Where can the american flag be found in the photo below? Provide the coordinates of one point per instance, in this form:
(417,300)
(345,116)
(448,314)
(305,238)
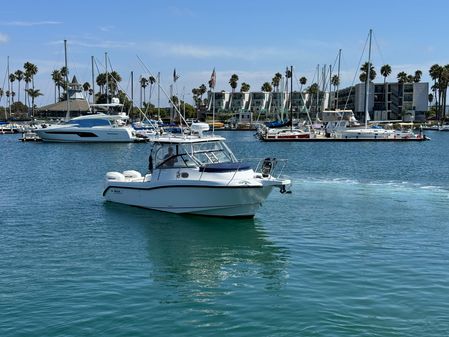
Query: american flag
(213,80)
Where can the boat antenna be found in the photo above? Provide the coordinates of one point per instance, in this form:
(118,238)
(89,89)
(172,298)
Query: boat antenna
(367,80)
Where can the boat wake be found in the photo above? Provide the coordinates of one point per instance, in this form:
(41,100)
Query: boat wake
(386,185)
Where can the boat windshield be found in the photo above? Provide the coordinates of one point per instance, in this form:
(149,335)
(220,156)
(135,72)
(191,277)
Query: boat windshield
(191,154)
(91,122)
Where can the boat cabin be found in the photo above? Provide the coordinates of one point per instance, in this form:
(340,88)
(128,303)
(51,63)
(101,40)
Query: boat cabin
(189,153)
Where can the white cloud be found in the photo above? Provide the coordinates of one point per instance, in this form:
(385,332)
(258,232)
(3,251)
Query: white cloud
(205,52)
(92,43)
(107,28)
(3,38)
(31,23)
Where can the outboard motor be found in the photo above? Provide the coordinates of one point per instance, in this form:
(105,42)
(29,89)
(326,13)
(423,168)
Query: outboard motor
(268,166)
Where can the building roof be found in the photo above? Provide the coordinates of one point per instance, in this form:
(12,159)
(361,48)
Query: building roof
(75,105)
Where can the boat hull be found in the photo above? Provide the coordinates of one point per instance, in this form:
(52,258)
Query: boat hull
(220,200)
(86,135)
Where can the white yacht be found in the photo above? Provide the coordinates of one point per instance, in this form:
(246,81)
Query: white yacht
(97,127)
(199,175)
(377,133)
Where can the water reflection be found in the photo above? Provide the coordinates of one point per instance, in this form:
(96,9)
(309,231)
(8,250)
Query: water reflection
(194,251)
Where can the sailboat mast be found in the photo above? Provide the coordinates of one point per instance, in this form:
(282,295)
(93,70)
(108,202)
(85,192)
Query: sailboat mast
(67,115)
(338,74)
(107,77)
(132,92)
(158,95)
(9,90)
(93,79)
(291,97)
(368,73)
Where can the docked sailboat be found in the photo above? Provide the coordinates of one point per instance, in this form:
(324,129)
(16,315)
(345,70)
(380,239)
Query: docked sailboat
(285,131)
(196,174)
(375,132)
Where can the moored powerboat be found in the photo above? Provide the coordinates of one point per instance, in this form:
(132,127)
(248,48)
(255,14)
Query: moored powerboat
(196,174)
(98,127)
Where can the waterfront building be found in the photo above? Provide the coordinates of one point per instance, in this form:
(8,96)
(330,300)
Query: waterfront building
(78,104)
(392,101)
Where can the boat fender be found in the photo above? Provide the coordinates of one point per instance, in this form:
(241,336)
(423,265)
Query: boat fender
(267,166)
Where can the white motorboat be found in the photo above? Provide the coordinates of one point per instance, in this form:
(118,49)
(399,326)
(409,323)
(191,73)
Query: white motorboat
(196,174)
(98,127)
(377,133)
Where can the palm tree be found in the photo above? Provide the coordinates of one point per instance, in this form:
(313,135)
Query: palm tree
(32,70)
(302,81)
(27,79)
(402,77)
(12,78)
(233,82)
(276,80)
(288,74)
(114,79)
(335,81)
(244,87)
(143,85)
(443,83)
(202,90)
(196,99)
(385,71)
(364,70)
(33,94)
(86,88)
(266,87)
(19,78)
(435,73)
(101,81)
(313,91)
(417,77)
(58,79)
(151,80)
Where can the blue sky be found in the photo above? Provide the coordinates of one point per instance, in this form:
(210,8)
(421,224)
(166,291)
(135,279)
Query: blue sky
(254,39)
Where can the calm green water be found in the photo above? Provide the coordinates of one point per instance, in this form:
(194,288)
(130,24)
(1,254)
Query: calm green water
(358,249)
